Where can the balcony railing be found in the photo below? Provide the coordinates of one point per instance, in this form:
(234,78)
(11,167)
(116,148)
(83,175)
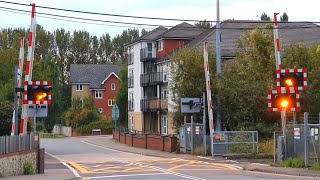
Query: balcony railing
(147,55)
(151,79)
(130,105)
(130,58)
(130,82)
(155,104)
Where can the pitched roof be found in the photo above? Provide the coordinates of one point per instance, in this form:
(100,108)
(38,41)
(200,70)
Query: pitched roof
(182,31)
(231,30)
(150,36)
(94,74)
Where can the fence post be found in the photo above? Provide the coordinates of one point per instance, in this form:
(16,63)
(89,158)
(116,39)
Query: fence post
(306,150)
(191,132)
(274,147)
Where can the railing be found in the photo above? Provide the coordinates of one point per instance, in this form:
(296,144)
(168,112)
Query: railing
(130,82)
(147,55)
(11,144)
(153,104)
(130,131)
(130,105)
(130,58)
(151,79)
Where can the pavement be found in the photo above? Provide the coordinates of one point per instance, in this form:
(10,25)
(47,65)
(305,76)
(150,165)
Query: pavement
(56,170)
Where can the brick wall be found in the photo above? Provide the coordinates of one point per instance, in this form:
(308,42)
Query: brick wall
(154,142)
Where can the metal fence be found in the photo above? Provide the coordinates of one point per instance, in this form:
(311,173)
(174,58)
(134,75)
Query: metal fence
(234,142)
(301,141)
(223,143)
(10,144)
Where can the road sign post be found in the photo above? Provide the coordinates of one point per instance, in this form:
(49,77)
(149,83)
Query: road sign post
(115,115)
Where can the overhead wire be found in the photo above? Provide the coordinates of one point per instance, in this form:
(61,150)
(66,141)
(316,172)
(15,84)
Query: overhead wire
(142,17)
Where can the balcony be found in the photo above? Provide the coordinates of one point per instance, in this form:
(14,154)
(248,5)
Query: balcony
(130,82)
(151,105)
(151,79)
(131,105)
(130,58)
(147,55)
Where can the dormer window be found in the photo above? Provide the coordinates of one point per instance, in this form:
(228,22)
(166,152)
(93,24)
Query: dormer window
(160,45)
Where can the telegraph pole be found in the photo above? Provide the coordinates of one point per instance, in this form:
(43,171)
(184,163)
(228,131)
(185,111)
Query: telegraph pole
(218,60)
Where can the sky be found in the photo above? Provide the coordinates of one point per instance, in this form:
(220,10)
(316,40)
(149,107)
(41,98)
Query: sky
(297,10)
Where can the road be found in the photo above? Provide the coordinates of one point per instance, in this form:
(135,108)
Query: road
(89,161)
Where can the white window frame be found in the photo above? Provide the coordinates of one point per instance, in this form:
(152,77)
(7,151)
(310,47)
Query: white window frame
(160,45)
(79,87)
(98,94)
(131,122)
(110,102)
(131,78)
(113,86)
(164,125)
(100,110)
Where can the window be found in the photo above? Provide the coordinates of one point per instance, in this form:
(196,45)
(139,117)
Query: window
(130,102)
(160,45)
(165,73)
(113,86)
(131,122)
(79,87)
(164,123)
(164,94)
(110,102)
(98,94)
(130,78)
(100,110)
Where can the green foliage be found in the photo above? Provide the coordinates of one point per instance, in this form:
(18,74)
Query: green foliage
(6,109)
(241,149)
(79,115)
(266,147)
(313,168)
(293,162)
(264,17)
(105,124)
(203,24)
(188,80)
(122,97)
(28,168)
(245,82)
(284,17)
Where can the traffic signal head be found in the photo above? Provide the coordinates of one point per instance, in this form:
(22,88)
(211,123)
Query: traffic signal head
(37,92)
(287,102)
(292,79)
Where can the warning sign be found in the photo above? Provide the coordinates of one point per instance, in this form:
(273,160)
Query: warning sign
(296,133)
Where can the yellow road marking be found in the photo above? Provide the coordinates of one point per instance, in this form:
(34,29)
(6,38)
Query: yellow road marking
(221,165)
(181,165)
(80,168)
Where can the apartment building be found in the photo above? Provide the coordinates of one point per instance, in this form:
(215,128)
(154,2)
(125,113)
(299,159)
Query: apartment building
(148,93)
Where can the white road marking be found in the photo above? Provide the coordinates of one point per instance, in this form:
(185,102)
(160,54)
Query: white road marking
(205,158)
(123,175)
(93,144)
(72,169)
(69,167)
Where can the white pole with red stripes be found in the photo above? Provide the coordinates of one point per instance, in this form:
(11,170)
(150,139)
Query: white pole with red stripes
(29,66)
(277,43)
(19,77)
(208,86)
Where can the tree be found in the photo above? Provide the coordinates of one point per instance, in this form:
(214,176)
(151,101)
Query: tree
(188,78)
(122,97)
(264,17)
(203,24)
(118,43)
(284,17)
(6,109)
(144,32)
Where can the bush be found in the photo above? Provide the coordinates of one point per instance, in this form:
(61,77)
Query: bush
(199,151)
(293,162)
(105,124)
(266,147)
(28,168)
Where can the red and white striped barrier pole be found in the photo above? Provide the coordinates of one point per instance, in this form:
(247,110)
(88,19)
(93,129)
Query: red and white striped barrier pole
(277,43)
(19,77)
(208,86)
(29,65)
